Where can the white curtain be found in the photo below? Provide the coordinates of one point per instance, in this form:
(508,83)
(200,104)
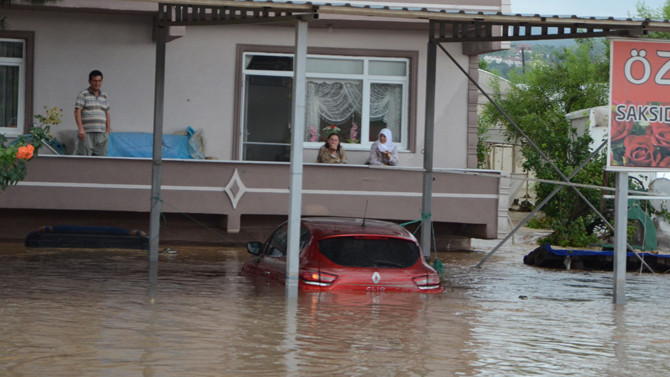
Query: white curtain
(336,101)
(385,105)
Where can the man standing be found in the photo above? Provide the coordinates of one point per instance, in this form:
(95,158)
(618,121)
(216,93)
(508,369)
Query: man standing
(91,112)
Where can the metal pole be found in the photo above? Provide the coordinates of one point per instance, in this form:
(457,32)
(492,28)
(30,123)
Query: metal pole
(544,156)
(297,136)
(620,236)
(427,202)
(156,168)
(540,205)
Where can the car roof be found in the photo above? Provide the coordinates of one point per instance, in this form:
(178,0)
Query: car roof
(321,227)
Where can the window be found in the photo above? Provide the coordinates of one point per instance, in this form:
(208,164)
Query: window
(12,86)
(359,95)
(267,92)
(277,245)
(370,252)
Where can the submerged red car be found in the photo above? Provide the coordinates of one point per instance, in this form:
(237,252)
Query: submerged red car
(347,254)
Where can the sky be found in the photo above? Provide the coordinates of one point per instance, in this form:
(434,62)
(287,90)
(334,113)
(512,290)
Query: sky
(584,8)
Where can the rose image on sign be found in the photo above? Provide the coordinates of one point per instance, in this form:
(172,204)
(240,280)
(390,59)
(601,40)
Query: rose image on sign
(639,134)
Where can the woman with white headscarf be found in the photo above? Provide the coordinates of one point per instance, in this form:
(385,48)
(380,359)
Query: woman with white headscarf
(383,151)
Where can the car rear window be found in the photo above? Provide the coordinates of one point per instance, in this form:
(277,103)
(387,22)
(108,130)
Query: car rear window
(370,252)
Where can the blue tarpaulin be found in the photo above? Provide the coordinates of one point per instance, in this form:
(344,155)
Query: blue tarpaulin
(140,144)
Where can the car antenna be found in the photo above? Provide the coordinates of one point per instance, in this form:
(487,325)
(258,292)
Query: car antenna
(365,213)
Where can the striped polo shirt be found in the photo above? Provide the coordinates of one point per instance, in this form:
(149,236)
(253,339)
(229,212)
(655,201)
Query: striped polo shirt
(93,110)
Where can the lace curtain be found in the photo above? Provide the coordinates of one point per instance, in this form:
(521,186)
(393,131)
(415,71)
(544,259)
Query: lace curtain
(385,105)
(336,102)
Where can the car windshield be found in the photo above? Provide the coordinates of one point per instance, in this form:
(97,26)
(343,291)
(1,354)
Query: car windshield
(374,252)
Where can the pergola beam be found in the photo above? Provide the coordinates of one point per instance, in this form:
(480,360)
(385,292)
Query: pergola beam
(201,15)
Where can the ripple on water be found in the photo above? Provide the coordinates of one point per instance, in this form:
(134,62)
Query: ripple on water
(91,312)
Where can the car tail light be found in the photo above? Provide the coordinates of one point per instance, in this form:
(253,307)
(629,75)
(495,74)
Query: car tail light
(429,281)
(319,278)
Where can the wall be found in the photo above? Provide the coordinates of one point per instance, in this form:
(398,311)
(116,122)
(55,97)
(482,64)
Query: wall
(65,55)
(468,200)
(200,75)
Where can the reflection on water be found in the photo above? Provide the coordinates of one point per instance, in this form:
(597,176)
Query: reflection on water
(94,313)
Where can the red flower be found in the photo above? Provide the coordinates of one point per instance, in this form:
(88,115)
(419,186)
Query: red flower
(661,135)
(25,152)
(640,151)
(620,130)
(665,163)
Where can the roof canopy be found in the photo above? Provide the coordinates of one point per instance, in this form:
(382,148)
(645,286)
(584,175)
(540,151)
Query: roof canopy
(450,26)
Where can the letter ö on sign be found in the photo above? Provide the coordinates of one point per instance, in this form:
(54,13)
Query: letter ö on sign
(636,56)
(640,56)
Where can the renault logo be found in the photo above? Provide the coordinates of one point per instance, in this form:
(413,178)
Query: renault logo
(376,278)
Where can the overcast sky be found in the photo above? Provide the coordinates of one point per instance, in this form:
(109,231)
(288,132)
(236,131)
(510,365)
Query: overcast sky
(584,8)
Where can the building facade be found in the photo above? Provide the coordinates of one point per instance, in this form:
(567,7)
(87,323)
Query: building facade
(233,83)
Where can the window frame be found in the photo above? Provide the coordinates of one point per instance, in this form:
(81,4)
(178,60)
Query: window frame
(243,94)
(409,96)
(368,80)
(279,240)
(26,72)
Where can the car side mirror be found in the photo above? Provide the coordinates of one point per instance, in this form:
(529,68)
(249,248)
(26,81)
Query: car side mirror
(254,247)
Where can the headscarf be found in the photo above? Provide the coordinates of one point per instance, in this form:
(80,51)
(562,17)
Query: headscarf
(389,145)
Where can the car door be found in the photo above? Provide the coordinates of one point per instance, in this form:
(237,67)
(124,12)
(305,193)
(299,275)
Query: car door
(272,261)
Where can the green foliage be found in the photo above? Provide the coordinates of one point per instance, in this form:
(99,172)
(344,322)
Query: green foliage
(662,13)
(572,233)
(500,69)
(13,157)
(484,122)
(574,79)
(483,149)
(539,223)
(12,169)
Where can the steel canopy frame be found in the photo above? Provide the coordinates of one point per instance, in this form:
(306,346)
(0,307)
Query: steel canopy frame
(502,28)
(485,33)
(443,26)
(182,14)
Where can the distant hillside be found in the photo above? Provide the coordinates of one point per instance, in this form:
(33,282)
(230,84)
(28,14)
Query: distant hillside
(560,43)
(520,53)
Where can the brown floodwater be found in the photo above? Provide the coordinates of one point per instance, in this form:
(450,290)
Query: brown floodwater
(70,312)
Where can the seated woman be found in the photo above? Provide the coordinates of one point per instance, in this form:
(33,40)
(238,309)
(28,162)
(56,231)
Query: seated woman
(383,151)
(332,152)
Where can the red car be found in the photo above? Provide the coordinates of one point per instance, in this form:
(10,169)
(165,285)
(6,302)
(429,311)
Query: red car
(347,254)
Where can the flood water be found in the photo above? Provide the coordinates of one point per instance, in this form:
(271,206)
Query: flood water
(95,313)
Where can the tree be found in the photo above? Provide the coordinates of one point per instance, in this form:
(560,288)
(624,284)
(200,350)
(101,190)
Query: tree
(573,79)
(662,13)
